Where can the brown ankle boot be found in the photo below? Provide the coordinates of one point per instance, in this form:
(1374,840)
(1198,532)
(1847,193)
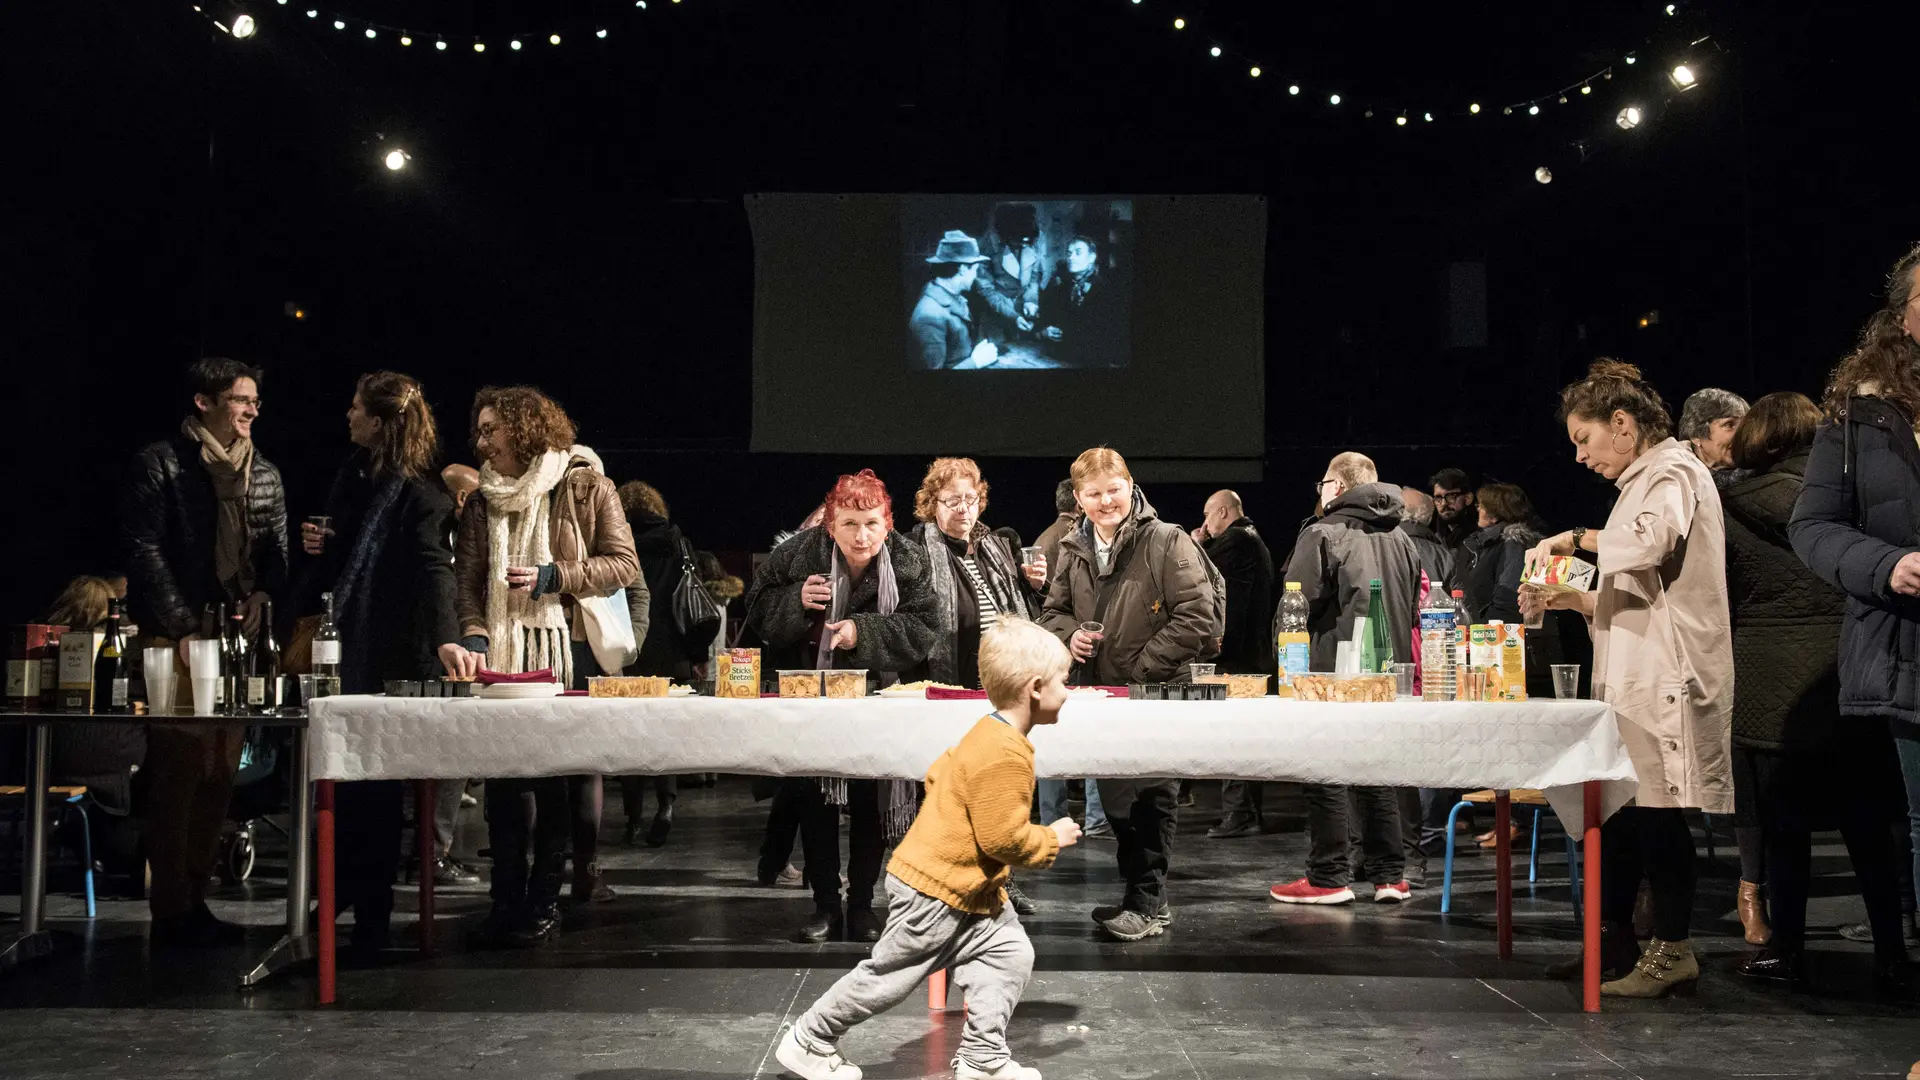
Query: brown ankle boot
(1753,914)
(1666,966)
(587,886)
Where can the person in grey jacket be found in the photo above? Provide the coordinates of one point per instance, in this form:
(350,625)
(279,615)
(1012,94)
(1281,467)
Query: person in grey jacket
(1336,560)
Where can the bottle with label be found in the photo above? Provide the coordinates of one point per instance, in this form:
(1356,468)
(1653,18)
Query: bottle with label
(213,626)
(326,651)
(270,693)
(1436,647)
(1292,644)
(1462,631)
(1513,660)
(1376,649)
(112,674)
(236,652)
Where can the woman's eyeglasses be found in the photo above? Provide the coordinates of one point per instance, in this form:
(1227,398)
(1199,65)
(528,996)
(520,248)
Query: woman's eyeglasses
(957,503)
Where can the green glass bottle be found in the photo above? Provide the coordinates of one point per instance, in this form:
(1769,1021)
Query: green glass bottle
(1376,649)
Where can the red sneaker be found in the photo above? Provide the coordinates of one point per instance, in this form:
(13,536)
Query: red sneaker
(1398,892)
(1305,892)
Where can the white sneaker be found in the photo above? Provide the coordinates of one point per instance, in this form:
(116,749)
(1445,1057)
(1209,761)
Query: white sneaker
(804,1063)
(1006,1070)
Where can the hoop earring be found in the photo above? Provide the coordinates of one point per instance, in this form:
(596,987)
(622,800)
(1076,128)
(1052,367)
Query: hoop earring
(1616,435)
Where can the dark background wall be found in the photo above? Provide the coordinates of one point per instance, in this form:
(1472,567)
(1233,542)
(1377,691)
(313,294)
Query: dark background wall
(573,218)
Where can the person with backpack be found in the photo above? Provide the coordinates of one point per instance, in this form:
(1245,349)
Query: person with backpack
(1160,605)
(668,650)
(1336,561)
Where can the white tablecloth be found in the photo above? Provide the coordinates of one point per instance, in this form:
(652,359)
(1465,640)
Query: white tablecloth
(1551,745)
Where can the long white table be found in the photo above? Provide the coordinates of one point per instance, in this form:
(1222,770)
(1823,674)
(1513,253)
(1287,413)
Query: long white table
(1571,750)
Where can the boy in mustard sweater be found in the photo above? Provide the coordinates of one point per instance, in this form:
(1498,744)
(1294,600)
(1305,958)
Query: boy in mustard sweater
(948,877)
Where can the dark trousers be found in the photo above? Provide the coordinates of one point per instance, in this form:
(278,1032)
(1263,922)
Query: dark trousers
(1848,779)
(783,824)
(1655,843)
(1245,798)
(820,840)
(633,797)
(586,796)
(1410,832)
(446,813)
(1435,805)
(517,831)
(1330,857)
(1142,815)
(190,770)
(369,816)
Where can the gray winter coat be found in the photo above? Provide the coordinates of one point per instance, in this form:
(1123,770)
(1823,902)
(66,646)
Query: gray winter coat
(1337,557)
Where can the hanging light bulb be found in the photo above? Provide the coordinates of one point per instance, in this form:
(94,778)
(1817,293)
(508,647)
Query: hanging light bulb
(396,160)
(1543,174)
(601,33)
(339,24)
(514,44)
(479,46)
(440,44)
(244,27)
(1671,9)
(371,34)
(1533,110)
(1334,100)
(1294,89)
(1563,99)
(1586,88)
(1428,117)
(1631,59)
(1400,121)
(1254,71)
(406,39)
(1215,50)
(1629,118)
(1508,111)
(553,39)
(1179,24)
(1683,78)
(312,13)
(1474,108)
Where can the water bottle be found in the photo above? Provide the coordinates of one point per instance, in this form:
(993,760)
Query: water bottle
(1437,620)
(1292,645)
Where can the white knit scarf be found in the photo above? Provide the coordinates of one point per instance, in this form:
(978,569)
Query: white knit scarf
(524,634)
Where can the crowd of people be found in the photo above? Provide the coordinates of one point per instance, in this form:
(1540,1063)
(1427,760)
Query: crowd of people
(1754,625)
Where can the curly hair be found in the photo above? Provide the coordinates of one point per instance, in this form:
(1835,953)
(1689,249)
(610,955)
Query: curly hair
(408,441)
(640,495)
(942,472)
(862,491)
(1886,355)
(534,423)
(1614,386)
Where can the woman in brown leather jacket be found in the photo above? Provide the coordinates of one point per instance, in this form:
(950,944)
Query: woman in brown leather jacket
(545,527)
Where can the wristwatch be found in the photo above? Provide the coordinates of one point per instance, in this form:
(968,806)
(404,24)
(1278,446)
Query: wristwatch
(1578,535)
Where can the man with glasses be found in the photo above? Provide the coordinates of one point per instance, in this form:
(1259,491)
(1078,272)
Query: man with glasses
(203,522)
(1454,516)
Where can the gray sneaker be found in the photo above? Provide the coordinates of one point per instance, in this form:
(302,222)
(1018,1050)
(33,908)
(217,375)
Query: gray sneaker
(1133,926)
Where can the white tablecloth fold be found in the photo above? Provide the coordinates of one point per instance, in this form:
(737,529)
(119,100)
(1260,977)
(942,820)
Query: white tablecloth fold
(1551,745)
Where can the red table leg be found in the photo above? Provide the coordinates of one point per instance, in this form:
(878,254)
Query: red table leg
(1503,872)
(323,827)
(429,845)
(1590,901)
(937,991)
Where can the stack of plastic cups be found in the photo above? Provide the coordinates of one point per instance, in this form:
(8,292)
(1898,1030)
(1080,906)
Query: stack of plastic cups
(158,667)
(204,664)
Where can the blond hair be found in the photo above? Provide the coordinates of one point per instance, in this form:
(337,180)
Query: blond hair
(1353,469)
(1098,462)
(1013,654)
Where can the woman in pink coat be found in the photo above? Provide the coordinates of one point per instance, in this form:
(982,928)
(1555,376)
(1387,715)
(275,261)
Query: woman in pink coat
(1662,657)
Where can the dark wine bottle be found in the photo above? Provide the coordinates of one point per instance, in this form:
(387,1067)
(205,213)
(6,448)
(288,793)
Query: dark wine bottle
(112,674)
(237,652)
(266,668)
(218,631)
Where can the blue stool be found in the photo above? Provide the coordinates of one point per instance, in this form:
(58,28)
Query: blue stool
(77,799)
(1521,797)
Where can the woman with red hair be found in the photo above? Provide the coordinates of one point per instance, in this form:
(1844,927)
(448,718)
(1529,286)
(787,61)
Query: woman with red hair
(848,593)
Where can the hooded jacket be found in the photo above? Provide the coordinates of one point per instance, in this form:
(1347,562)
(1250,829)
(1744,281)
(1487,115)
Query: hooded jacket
(1857,516)
(1338,557)
(1161,611)
(1443,565)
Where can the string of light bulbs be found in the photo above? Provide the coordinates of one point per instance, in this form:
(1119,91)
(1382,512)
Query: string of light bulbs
(404,37)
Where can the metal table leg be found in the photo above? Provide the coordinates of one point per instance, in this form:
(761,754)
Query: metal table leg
(296,946)
(33,941)
(428,846)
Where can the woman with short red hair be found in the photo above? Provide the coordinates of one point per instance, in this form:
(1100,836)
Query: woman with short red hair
(848,593)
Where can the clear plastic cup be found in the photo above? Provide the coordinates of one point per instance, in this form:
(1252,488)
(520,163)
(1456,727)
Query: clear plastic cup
(157,666)
(1031,556)
(1566,681)
(203,658)
(1201,672)
(1403,680)
(204,692)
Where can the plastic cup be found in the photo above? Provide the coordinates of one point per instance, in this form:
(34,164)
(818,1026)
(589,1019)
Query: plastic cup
(204,692)
(1031,556)
(157,665)
(1566,681)
(1403,680)
(306,690)
(1201,672)
(203,659)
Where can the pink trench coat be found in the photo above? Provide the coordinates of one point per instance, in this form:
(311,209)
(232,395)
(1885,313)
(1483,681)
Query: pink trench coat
(1663,642)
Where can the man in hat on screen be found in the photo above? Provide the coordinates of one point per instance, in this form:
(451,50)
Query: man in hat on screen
(942,322)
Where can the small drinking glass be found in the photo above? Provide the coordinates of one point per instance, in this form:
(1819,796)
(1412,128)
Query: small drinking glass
(1201,672)
(1533,606)
(1403,680)
(1031,556)
(1566,681)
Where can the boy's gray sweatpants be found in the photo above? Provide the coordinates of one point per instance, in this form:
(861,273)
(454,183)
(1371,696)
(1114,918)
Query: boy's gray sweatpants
(990,956)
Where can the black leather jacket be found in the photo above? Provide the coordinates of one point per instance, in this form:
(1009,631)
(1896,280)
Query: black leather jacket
(166,535)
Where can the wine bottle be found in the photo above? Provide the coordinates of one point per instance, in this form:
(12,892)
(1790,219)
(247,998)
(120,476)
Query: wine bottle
(236,647)
(112,675)
(219,630)
(326,651)
(266,667)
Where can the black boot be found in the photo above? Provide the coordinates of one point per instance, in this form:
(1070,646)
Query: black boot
(662,823)
(1619,951)
(864,925)
(1022,903)
(823,926)
(493,930)
(1893,977)
(537,926)
(1777,965)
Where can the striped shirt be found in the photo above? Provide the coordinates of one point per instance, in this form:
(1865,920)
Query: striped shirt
(982,596)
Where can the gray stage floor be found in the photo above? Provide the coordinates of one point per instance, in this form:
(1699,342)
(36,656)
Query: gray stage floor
(689,975)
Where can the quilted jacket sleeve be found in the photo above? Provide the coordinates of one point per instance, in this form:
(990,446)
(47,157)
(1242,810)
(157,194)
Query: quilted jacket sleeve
(270,564)
(609,563)
(1824,534)
(773,603)
(143,526)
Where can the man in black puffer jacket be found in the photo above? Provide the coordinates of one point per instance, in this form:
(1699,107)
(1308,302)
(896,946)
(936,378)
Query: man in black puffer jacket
(203,522)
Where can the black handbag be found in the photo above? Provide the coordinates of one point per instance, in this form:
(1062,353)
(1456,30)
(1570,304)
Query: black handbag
(696,614)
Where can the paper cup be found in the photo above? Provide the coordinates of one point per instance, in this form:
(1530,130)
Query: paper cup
(204,691)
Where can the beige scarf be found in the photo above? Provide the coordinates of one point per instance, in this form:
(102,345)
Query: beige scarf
(524,634)
(231,468)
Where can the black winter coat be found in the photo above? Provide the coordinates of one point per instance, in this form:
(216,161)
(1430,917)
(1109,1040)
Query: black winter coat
(1241,556)
(412,582)
(1786,621)
(166,534)
(886,645)
(1490,567)
(656,542)
(1338,557)
(1436,558)
(1857,516)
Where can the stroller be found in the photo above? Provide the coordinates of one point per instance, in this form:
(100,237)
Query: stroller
(260,790)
